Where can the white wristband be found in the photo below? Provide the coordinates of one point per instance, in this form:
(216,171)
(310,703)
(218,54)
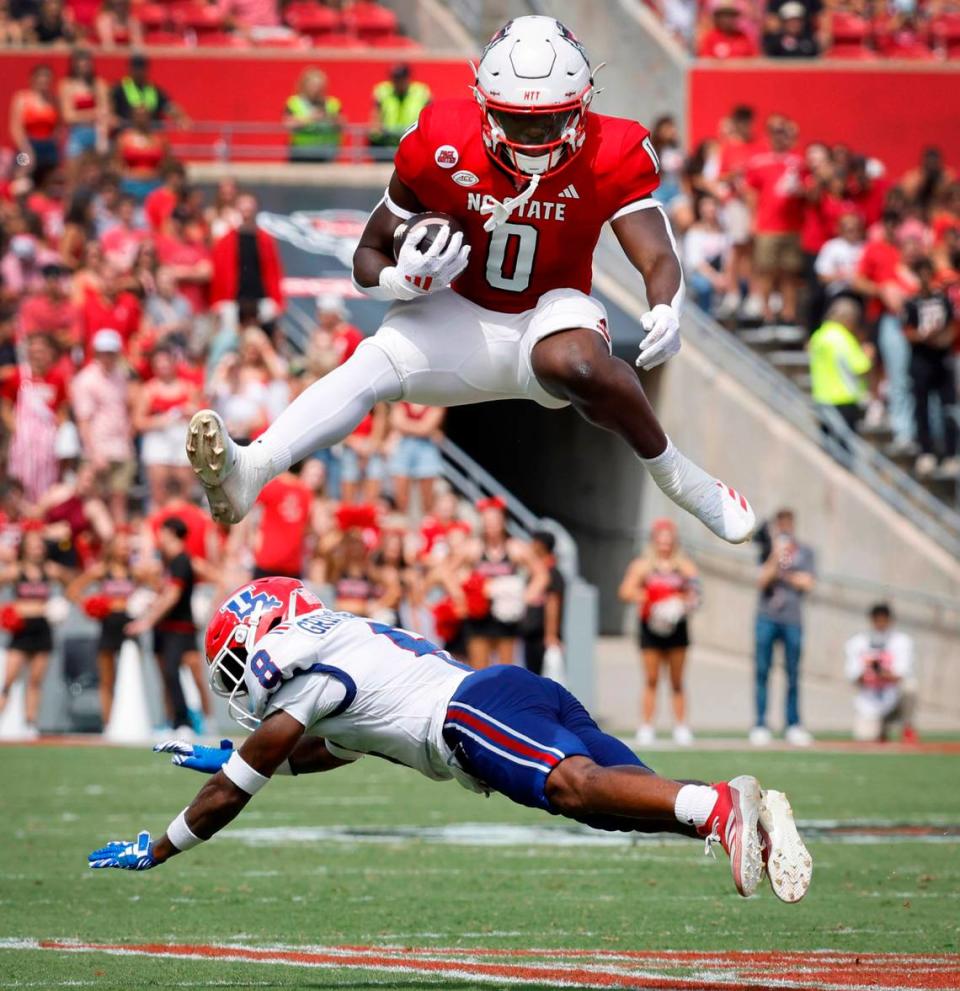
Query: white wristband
(389,288)
(181,835)
(243,775)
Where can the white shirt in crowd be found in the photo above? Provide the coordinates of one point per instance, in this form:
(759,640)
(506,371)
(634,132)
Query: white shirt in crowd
(838,259)
(700,244)
(890,653)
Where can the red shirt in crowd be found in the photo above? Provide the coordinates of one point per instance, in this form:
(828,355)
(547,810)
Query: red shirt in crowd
(121,244)
(176,252)
(159,206)
(197,522)
(41,315)
(820,218)
(734,155)
(346,340)
(720,44)
(283,526)
(122,314)
(777,177)
(52,386)
(881,264)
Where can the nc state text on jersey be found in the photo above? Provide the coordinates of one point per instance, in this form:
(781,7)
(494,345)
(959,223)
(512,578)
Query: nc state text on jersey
(532,209)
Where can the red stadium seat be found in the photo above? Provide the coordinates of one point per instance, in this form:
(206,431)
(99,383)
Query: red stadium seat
(945,31)
(221,39)
(849,33)
(370,20)
(169,38)
(312,19)
(200,18)
(154,16)
(84,11)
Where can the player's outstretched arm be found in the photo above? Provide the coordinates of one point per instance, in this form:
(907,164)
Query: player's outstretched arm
(218,802)
(647,241)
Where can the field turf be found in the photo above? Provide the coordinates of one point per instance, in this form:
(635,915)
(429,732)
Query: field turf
(419,907)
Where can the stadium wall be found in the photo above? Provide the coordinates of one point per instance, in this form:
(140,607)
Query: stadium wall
(247,87)
(890,111)
(865,550)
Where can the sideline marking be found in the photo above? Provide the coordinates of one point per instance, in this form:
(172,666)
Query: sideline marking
(863,832)
(672,970)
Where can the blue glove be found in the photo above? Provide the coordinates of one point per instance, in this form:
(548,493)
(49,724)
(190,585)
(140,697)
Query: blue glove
(209,760)
(136,856)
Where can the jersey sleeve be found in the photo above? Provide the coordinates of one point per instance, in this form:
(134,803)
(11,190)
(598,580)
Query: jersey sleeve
(638,171)
(308,697)
(413,156)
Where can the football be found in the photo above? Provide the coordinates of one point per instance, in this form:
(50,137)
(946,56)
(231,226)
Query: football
(434,222)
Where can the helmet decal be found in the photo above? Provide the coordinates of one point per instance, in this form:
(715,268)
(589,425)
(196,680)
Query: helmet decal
(245,603)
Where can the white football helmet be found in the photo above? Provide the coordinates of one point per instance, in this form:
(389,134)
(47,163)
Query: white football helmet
(534,85)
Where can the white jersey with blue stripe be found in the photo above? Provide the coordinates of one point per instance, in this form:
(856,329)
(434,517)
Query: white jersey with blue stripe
(367,688)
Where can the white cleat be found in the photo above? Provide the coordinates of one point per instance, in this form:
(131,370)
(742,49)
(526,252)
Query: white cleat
(734,823)
(735,520)
(230,480)
(789,864)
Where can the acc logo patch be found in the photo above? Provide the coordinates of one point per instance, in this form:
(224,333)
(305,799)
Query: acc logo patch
(446,156)
(464,178)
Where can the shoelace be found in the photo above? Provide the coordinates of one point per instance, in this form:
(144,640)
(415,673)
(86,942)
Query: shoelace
(709,841)
(500,211)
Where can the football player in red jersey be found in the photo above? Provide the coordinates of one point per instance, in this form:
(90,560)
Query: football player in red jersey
(504,312)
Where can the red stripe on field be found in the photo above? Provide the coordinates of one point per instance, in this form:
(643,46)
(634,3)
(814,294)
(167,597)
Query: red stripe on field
(763,969)
(481,726)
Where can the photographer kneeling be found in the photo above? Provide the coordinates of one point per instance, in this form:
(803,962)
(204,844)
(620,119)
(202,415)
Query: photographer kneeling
(880,663)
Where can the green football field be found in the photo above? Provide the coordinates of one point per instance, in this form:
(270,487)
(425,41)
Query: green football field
(372,876)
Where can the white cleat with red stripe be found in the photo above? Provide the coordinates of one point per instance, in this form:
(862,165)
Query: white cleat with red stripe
(720,508)
(733,824)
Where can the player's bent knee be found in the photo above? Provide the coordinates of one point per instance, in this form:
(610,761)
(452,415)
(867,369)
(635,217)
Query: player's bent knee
(570,785)
(571,362)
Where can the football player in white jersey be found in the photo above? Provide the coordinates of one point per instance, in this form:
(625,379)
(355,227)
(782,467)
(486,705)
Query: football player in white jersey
(321,689)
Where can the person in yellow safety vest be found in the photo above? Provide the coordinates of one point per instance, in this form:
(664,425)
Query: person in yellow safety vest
(839,361)
(135,90)
(397,103)
(313,119)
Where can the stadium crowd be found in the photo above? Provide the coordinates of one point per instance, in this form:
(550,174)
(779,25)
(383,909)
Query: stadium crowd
(113,24)
(129,299)
(822,236)
(788,29)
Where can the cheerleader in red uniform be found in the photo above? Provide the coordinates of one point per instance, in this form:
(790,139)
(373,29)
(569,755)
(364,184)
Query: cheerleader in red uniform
(664,585)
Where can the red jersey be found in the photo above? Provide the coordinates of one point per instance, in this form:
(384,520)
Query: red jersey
(122,315)
(778,179)
(722,44)
(548,242)
(283,526)
(158,206)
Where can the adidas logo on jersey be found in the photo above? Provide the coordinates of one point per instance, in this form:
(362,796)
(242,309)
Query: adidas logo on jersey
(569,193)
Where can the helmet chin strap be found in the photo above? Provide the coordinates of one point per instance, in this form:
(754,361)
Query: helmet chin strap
(500,211)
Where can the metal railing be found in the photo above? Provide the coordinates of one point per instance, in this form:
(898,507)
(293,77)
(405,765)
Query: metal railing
(822,426)
(227,141)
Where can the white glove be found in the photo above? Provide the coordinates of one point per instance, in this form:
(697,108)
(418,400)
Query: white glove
(420,272)
(662,337)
